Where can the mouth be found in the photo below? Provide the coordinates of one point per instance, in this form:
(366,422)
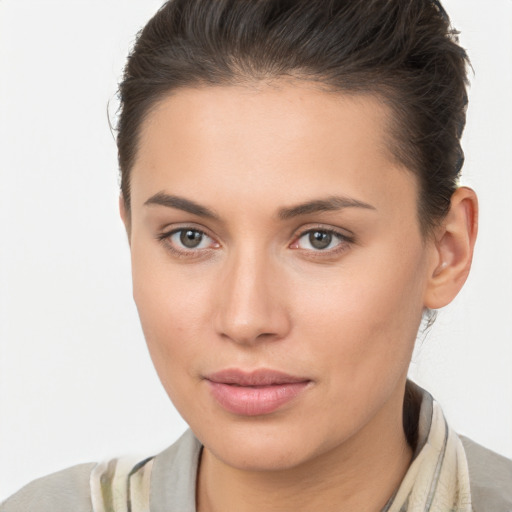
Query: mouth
(254,393)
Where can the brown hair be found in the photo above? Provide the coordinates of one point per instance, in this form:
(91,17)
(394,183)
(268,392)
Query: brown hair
(404,51)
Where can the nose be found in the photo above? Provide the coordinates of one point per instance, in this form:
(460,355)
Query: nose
(251,306)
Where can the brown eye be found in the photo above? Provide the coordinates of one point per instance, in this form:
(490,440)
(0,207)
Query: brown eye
(320,239)
(190,238)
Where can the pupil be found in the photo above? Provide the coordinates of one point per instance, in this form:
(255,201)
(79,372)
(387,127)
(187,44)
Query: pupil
(190,238)
(320,239)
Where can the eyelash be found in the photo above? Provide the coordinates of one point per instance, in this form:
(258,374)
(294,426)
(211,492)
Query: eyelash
(344,241)
(166,239)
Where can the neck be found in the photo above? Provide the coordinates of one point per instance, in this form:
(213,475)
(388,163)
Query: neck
(361,474)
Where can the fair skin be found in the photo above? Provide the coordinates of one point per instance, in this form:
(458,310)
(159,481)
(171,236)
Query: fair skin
(332,295)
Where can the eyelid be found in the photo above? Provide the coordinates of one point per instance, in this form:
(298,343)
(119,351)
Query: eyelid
(346,238)
(341,232)
(168,229)
(165,234)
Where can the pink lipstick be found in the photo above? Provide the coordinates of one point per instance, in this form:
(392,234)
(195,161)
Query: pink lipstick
(254,393)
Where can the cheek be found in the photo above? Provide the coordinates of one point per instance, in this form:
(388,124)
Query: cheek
(365,319)
(171,326)
(171,315)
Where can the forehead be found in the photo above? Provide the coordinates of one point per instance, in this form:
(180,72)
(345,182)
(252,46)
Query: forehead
(288,137)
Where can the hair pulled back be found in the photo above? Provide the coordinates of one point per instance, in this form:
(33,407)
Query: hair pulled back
(403,51)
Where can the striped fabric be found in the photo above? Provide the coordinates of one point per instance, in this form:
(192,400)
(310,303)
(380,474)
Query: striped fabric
(120,485)
(438,477)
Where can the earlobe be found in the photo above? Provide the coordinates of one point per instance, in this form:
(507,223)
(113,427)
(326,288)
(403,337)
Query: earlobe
(454,244)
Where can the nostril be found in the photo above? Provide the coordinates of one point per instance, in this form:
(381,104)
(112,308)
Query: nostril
(249,334)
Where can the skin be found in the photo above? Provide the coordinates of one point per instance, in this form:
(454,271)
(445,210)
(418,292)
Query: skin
(257,294)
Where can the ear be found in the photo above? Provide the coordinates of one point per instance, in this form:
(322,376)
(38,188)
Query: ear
(125,216)
(453,253)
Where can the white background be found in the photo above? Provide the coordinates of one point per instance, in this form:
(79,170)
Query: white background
(76,383)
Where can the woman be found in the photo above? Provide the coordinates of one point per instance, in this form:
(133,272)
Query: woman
(289,191)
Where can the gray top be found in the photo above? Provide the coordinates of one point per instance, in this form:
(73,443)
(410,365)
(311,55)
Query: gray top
(490,477)
(65,491)
(173,482)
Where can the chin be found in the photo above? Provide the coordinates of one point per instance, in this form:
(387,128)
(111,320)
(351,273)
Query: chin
(260,456)
(262,444)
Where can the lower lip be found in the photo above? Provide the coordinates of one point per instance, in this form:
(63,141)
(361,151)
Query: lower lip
(255,400)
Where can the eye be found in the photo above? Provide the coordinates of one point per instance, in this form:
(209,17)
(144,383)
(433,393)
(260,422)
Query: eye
(320,240)
(190,239)
(186,241)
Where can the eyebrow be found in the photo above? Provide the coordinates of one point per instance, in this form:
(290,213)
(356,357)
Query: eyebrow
(180,203)
(333,203)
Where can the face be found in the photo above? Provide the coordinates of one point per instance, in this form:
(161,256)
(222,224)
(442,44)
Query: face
(278,268)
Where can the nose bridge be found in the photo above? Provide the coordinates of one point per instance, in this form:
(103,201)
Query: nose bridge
(250,308)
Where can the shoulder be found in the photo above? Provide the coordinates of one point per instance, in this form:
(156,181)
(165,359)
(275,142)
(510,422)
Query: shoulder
(59,492)
(490,478)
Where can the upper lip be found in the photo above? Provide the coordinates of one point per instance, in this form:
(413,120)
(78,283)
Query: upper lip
(260,377)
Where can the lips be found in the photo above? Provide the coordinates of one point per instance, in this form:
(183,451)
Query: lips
(254,393)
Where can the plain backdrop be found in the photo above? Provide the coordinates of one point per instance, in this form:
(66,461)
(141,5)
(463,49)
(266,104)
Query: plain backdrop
(76,382)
